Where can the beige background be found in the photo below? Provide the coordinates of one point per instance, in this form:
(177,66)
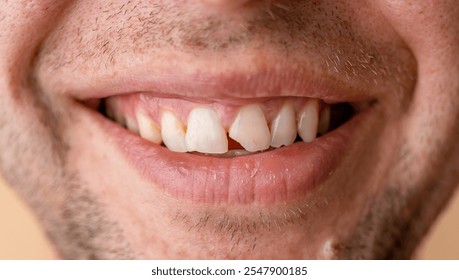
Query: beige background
(22,238)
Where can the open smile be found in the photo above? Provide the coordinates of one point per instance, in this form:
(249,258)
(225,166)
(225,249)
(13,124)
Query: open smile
(270,143)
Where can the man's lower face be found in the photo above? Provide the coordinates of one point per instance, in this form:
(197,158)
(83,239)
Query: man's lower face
(219,129)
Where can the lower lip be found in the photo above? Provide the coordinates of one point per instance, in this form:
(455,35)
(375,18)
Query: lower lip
(286,174)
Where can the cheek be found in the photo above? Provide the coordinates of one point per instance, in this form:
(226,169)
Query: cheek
(429,28)
(28,128)
(29,140)
(24,25)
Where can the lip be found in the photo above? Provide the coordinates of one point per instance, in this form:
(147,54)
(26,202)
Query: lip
(292,81)
(277,176)
(280,175)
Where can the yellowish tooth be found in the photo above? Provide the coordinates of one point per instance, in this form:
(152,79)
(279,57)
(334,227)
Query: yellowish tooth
(308,120)
(250,129)
(148,129)
(324,119)
(283,127)
(173,132)
(205,133)
(132,125)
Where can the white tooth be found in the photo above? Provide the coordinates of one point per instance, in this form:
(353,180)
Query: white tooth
(308,120)
(205,133)
(132,125)
(148,128)
(250,129)
(283,127)
(324,119)
(173,132)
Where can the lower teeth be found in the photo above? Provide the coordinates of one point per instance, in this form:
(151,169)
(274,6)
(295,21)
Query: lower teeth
(231,153)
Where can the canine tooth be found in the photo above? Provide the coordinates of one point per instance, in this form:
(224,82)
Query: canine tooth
(250,129)
(283,127)
(324,120)
(205,133)
(148,129)
(308,120)
(173,132)
(132,125)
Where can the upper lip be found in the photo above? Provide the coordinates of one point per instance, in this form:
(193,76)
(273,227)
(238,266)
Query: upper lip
(235,84)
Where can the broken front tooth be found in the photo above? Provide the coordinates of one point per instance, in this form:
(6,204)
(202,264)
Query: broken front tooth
(205,133)
(250,129)
(324,119)
(308,119)
(148,129)
(173,132)
(283,127)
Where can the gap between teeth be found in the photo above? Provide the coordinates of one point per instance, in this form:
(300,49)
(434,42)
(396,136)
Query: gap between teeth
(204,132)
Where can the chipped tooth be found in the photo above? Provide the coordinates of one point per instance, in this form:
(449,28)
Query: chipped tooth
(132,125)
(173,132)
(205,133)
(324,119)
(250,129)
(148,129)
(308,120)
(283,127)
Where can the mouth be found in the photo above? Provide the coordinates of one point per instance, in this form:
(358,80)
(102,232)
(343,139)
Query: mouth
(231,148)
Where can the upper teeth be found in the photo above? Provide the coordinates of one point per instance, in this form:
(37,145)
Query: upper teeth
(173,132)
(249,128)
(206,133)
(148,128)
(308,120)
(283,127)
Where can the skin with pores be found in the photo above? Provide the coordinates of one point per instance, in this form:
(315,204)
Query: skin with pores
(100,192)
